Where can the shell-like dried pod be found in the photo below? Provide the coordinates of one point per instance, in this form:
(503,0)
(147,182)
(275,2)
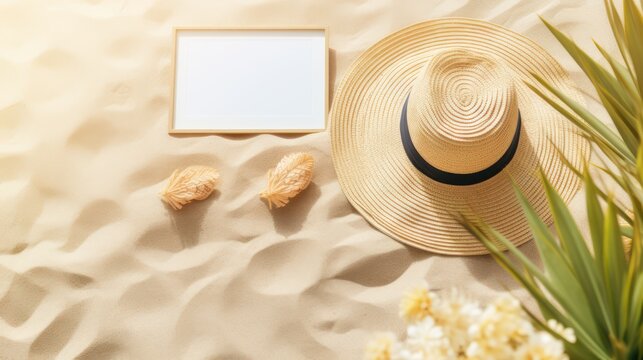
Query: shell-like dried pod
(290,177)
(192,183)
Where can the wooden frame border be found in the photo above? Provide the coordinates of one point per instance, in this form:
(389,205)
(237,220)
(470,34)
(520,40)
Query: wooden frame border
(172,130)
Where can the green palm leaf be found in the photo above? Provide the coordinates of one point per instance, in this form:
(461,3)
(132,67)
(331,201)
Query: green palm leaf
(594,286)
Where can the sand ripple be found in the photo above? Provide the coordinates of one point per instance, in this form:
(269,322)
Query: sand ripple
(94,266)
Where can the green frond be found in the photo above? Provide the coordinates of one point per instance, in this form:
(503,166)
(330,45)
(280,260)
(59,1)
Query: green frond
(593,285)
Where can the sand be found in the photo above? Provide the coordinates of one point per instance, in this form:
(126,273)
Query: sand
(94,266)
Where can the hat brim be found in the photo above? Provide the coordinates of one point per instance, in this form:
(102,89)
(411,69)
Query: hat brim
(382,184)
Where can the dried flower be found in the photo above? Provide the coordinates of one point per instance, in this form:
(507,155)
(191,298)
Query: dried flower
(191,183)
(541,346)
(453,327)
(456,314)
(380,348)
(290,177)
(428,339)
(501,327)
(417,304)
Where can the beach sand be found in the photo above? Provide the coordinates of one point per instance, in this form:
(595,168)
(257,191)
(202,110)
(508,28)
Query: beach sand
(94,266)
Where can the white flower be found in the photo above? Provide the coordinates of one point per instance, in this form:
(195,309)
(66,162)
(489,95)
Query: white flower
(502,327)
(403,353)
(541,346)
(507,304)
(453,327)
(456,314)
(380,348)
(417,304)
(565,333)
(429,340)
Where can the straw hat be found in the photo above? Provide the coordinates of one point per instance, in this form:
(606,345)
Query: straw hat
(436,119)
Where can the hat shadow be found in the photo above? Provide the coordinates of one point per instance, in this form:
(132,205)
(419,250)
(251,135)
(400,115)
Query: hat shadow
(486,271)
(289,219)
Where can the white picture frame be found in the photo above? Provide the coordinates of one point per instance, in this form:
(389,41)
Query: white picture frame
(249,80)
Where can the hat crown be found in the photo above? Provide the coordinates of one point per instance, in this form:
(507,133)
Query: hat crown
(462,111)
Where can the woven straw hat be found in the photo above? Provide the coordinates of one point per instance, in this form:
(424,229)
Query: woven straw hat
(435,119)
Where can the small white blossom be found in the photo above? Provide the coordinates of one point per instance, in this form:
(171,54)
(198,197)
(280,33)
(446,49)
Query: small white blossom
(542,346)
(417,304)
(428,339)
(403,353)
(456,314)
(501,327)
(453,327)
(566,333)
(381,347)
